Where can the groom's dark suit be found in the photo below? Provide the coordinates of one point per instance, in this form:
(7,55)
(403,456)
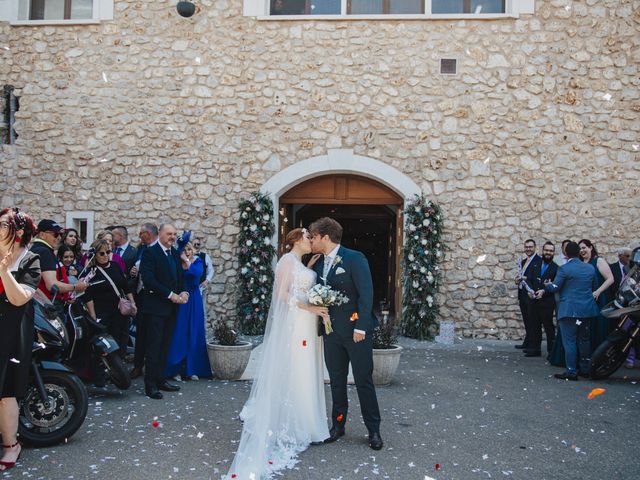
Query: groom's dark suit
(350,274)
(161,275)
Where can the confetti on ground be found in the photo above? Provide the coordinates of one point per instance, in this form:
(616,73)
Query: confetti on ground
(155,424)
(304,343)
(437,466)
(595,392)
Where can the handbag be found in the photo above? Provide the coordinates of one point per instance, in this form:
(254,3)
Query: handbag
(125,306)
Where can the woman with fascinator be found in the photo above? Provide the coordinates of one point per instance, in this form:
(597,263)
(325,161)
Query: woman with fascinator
(19,278)
(285,412)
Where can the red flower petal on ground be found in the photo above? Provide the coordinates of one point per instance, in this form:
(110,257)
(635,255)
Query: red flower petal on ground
(155,424)
(437,466)
(270,462)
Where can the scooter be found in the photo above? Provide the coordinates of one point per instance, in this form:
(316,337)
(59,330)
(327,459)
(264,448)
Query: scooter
(56,401)
(611,354)
(89,338)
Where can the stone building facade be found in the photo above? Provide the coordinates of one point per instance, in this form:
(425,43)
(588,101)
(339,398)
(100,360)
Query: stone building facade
(152,116)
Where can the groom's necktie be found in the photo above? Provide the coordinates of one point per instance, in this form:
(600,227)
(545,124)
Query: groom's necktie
(327,266)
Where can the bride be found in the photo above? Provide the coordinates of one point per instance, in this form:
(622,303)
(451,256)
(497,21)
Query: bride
(286,408)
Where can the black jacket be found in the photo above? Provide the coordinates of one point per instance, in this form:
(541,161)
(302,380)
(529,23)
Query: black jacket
(537,283)
(160,279)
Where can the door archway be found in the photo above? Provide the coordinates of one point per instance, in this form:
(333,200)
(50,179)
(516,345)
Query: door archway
(370,214)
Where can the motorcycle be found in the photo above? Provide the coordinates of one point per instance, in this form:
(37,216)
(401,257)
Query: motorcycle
(611,354)
(89,338)
(56,401)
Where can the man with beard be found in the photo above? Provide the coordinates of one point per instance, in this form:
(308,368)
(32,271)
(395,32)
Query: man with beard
(543,304)
(523,280)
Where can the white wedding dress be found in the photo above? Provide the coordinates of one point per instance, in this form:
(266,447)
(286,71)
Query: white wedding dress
(286,409)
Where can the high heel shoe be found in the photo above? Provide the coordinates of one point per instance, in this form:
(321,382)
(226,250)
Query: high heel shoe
(10,465)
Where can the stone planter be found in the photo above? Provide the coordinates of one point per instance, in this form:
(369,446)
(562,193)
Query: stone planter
(385,364)
(228,362)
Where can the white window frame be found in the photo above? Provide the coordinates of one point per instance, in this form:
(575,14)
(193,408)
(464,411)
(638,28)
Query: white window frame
(71,221)
(10,11)
(513,9)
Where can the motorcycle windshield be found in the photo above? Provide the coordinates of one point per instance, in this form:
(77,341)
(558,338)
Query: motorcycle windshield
(629,292)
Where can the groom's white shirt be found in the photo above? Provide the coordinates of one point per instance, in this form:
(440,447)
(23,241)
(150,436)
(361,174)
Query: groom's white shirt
(332,256)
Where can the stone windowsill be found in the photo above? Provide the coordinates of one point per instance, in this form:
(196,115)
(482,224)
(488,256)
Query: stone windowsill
(488,16)
(39,23)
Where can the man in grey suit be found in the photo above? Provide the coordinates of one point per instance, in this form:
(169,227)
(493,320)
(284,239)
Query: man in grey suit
(575,281)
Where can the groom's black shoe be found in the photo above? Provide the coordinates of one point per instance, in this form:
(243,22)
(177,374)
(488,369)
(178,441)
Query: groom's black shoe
(375,441)
(167,387)
(153,392)
(334,434)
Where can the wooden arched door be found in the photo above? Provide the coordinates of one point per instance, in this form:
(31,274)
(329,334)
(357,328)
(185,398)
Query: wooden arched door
(370,214)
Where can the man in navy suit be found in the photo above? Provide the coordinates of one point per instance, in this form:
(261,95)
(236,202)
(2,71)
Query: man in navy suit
(523,279)
(541,308)
(162,274)
(348,271)
(148,237)
(575,281)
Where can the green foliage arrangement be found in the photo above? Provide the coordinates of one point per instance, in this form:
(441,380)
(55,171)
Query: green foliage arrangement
(255,256)
(422,277)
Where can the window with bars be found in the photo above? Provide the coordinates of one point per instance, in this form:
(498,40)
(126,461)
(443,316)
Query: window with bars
(10,105)
(385,7)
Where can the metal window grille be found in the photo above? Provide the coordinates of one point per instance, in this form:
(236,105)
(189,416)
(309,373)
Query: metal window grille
(448,66)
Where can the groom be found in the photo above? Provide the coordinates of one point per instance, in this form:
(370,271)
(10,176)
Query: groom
(353,322)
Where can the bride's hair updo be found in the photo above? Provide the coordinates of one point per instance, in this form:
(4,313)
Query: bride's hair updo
(292,237)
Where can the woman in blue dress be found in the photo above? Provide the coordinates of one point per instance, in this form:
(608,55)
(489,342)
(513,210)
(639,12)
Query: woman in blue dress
(600,327)
(188,351)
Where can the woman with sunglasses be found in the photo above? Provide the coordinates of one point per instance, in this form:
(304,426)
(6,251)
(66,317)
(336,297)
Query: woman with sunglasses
(19,277)
(101,298)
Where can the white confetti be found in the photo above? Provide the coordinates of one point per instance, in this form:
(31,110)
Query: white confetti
(607,96)
(578,322)
(14,360)
(636,147)
(200,435)
(104,77)
(458,417)
(481,258)
(485,456)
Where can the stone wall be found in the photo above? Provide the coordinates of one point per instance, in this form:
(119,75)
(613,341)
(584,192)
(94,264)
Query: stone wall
(152,116)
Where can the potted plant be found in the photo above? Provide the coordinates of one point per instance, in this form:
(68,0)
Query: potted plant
(386,352)
(228,355)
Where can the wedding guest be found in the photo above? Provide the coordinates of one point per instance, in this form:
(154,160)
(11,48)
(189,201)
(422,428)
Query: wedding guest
(577,308)
(604,279)
(162,273)
(561,259)
(66,256)
(123,248)
(117,259)
(543,306)
(188,351)
(52,272)
(19,278)
(148,237)
(207,274)
(108,285)
(523,279)
(71,238)
(619,269)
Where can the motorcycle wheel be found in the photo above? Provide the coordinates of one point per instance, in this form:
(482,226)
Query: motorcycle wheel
(42,426)
(116,371)
(607,358)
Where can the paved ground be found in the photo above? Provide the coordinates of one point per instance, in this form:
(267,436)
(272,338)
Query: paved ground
(477,410)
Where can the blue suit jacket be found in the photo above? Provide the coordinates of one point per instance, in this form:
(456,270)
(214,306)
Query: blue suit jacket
(575,281)
(160,279)
(351,276)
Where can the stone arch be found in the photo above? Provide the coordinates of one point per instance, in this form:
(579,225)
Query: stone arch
(339,161)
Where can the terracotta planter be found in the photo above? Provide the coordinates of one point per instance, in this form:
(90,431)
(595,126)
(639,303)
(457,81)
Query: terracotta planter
(385,364)
(228,362)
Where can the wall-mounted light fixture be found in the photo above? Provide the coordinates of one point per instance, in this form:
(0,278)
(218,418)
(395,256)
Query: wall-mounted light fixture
(186,9)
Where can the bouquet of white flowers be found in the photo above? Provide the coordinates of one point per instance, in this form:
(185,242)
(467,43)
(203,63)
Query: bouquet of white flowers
(324,296)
